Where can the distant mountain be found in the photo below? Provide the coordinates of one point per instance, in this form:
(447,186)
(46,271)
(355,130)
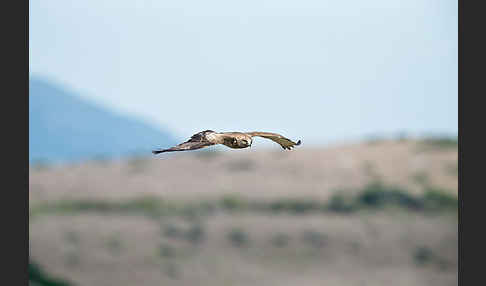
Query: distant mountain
(64,127)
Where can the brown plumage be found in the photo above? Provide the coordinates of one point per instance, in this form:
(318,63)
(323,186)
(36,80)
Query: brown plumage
(235,140)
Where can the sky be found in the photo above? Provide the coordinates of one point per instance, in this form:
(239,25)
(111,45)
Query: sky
(321,71)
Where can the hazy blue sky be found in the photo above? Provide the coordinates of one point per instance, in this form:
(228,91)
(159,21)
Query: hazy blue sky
(318,70)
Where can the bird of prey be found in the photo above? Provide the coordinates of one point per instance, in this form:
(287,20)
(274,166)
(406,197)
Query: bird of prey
(235,140)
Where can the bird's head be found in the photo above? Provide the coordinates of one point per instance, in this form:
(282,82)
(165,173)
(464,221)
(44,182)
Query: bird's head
(246,142)
(241,142)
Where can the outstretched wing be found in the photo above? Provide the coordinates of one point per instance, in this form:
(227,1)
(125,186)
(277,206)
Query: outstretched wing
(284,142)
(186,146)
(197,141)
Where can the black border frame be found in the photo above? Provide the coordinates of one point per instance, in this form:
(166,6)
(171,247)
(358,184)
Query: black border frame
(469,73)
(15,88)
(460,226)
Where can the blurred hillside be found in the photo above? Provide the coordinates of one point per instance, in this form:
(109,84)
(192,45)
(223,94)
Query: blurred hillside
(382,212)
(65,127)
(416,165)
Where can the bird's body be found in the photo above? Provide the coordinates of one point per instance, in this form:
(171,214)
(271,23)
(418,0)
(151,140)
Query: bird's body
(235,140)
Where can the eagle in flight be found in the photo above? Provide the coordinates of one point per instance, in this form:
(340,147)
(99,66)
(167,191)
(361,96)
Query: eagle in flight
(236,140)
